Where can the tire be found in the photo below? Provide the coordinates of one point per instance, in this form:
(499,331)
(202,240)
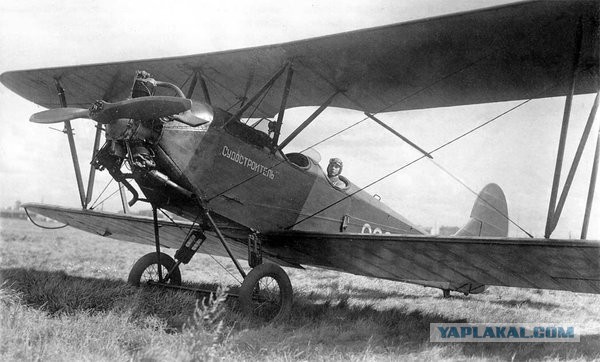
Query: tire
(145,270)
(266,293)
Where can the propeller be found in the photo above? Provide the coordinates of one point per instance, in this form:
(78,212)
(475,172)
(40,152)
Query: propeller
(142,108)
(199,114)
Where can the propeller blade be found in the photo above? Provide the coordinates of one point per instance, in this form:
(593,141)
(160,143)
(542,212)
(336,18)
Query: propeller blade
(189,119)
(103,112)
(59,115)
(199,114)
(142,108)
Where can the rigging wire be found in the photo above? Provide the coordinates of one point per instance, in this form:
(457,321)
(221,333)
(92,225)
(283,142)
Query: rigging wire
(189,231)
(468,65)
(259,102)
(239,98)
(188,234)
(107,197)
(412,162)
(282,161)
(227,270)
(479,197)
(239,101)
(99,195)
(426,87)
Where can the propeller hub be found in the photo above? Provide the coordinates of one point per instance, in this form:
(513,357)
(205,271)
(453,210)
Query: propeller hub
(134,130)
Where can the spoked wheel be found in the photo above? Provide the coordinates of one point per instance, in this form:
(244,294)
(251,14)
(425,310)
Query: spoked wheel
(146,269)
(266,293)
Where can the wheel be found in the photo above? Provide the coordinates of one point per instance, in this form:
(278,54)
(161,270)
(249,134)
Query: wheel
(446,293)
(145,270)
(266,293)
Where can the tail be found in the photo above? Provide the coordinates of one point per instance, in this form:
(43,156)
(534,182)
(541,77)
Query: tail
(489,216)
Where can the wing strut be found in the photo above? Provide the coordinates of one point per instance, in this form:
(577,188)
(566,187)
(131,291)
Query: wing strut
(198,77)
(192,87)
(69,131)
(577,158)
(563,134)
(308,120)
(398,134)
(258,94)
(284,98)
(590,198)
(92,175)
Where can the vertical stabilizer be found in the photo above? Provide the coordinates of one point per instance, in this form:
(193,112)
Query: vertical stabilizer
(489,216)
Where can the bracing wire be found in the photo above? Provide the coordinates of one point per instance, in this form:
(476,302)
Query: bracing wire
(282,161)
(457,179)
(100,195)
(188,234)
(189,231)
(466,66)
(418,91)
(227,270)
(107,197)
(258,103)
(411,162)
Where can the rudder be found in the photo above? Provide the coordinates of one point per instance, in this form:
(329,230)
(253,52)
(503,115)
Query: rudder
(489,216)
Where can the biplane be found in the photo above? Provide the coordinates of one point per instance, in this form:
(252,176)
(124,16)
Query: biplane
(200,137)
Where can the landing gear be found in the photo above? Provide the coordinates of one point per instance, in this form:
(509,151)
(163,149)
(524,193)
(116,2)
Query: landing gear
(446,293)
(146,269)
(266,293)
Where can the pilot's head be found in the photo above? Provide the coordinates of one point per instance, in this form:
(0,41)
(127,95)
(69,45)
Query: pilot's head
(335,167)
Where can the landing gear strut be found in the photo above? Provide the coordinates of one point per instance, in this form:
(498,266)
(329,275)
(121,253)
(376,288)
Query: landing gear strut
(266,292)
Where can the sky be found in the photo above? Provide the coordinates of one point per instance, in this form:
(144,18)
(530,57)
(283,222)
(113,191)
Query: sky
(517,151)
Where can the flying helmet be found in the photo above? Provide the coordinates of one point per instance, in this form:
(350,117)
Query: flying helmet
(338,162)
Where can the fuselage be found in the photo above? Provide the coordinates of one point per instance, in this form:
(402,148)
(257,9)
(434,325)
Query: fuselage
(233,168)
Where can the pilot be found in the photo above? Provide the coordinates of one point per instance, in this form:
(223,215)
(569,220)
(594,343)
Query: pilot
(334,169)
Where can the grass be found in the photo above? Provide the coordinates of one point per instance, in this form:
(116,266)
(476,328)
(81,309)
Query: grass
(63,296)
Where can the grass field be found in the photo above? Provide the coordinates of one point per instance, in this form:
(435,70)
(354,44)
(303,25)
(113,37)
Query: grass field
(64,296)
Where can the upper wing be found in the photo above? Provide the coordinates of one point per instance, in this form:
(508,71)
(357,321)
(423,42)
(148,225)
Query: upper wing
(572,265)
(518,51)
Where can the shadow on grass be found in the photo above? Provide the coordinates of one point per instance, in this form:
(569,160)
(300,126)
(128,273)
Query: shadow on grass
(56,293)
(526,303)
(324,290)
(333,325)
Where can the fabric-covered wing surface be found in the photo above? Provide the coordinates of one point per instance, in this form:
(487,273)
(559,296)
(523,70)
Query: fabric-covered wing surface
(135,229)
(140,230)
(572,265)
(518,51)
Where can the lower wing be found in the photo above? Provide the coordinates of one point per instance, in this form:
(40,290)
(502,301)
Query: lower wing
(572,265)
(140,230)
